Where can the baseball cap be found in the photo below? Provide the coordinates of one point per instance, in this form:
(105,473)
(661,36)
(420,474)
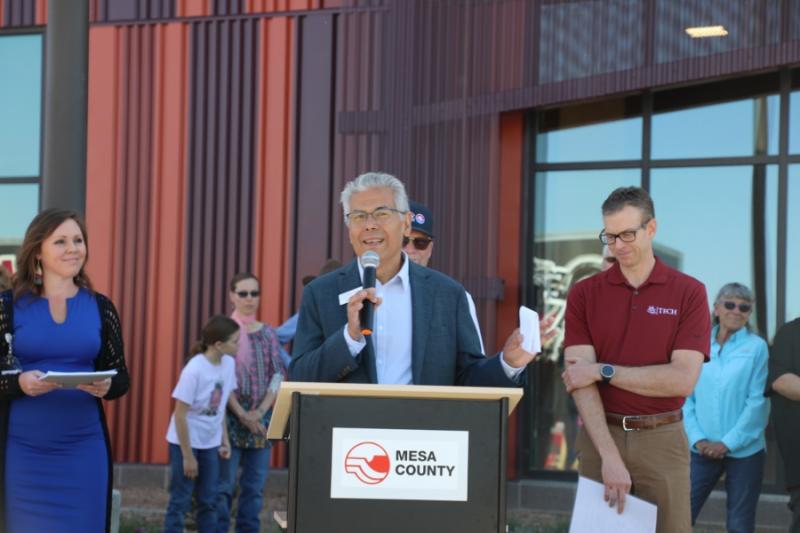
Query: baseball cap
(421,218)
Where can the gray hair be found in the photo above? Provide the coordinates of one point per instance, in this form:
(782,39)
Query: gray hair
(375,180)
(734,290)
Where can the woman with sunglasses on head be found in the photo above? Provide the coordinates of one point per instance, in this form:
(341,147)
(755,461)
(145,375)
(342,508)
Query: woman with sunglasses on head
(726,415)
(54,447)
(259,371)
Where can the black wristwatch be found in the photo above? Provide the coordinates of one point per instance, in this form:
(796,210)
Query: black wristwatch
(607,372)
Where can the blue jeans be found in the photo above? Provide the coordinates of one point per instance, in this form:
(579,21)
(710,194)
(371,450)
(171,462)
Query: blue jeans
(255,465)
(742,485)
(180,490)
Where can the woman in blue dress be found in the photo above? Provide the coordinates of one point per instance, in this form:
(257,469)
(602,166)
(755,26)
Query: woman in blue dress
(55,454)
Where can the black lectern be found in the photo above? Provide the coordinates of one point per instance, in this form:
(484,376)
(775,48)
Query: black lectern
(394,458)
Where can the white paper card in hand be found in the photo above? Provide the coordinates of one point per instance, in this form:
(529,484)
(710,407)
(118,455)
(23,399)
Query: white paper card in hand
(529,327)
(592,513)
(72,379)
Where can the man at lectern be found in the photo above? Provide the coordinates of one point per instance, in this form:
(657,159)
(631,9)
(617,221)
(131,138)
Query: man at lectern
(421,332)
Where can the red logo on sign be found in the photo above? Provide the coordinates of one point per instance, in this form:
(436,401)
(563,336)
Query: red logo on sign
(368,461)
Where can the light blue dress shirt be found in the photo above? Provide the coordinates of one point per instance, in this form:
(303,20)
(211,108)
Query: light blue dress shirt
(728,404)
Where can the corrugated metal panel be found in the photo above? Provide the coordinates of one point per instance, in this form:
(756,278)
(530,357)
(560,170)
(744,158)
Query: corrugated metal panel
(221,171)
(193,8)
(273,148)
(136,215)
(18,13)
(134,10)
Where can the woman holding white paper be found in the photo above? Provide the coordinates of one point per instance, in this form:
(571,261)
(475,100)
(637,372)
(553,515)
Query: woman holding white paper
(54,439)
(259,371)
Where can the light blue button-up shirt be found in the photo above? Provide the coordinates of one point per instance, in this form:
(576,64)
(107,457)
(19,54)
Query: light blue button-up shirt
(728,403)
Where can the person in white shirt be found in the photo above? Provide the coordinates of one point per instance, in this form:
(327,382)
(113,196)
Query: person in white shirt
(197,433)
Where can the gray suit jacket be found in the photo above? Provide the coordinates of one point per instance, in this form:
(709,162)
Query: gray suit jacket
(445,346)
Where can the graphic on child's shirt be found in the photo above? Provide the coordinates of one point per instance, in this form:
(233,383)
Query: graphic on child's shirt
(214,401)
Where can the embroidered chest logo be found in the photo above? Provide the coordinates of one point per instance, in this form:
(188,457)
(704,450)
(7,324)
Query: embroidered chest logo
(655,310)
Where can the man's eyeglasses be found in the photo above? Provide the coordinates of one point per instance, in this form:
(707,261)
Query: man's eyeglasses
(730,306)
(245,294)
(625,236)
(420,243)
(381,216)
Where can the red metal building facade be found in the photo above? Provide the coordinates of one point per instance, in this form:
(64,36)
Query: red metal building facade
(221,132)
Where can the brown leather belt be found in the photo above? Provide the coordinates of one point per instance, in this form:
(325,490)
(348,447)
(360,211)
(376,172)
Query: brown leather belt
(637,422)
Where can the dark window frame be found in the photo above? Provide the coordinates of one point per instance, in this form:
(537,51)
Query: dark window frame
(28,180)
(781,82)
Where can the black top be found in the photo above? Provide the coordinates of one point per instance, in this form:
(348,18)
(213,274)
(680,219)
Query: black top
(111,356)
(784,358)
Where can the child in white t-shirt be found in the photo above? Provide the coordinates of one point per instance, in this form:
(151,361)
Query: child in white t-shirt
(197,433)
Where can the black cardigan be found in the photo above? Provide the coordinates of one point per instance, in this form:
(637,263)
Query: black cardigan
(111,356)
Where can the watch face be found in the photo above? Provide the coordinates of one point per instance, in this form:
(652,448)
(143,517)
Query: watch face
(607,371)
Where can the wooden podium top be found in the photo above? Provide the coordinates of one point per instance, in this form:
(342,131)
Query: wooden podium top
(283,405)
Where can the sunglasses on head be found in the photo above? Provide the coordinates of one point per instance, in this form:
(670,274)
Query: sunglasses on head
(420,243)
(245,294)
(730,306)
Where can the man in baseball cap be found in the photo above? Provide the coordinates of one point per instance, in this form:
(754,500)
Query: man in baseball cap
(419,245)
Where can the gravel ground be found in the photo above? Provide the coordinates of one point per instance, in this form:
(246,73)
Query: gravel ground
(143,512)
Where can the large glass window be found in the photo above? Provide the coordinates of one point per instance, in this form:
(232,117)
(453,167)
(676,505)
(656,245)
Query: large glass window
(608,131)
(740,128)
(566,250)
(713,167)
(20,105)
(706,220)
(20,136)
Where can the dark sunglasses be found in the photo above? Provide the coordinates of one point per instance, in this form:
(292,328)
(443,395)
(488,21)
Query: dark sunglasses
(245,294)
(420,243)
(730,306)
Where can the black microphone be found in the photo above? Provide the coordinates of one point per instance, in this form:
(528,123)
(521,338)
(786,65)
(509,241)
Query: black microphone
(369,261)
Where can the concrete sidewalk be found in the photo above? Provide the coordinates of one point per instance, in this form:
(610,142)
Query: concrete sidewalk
(144,493)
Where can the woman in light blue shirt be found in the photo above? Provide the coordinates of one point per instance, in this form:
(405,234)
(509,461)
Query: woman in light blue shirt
(726,415)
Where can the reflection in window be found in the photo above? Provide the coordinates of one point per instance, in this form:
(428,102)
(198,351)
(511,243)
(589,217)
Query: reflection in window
(608,131)
(741,128)
(793,246)
(705,225)
(566,249)
(18,205)
(794,122)
(20,104)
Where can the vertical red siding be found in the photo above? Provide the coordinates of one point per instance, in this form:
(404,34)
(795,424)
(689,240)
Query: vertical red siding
(273,206)
(193,8)
(41,12)
(136,212)
(273,174)
(509,235)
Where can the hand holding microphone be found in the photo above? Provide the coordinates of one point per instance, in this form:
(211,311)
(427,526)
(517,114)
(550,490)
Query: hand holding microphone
(361,306)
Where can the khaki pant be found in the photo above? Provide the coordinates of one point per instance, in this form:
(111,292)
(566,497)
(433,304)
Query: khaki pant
(658,462)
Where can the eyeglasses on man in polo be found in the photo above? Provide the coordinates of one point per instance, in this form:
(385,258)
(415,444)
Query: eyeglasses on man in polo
(628,235)
(381,216)
(420,243)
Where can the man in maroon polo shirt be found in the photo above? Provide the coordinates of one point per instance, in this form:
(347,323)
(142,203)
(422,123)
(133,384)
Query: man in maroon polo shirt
(636,337)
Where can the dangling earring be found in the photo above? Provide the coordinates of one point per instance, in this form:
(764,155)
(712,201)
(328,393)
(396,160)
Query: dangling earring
(37,273)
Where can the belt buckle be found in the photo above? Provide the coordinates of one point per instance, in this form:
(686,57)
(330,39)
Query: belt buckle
(625,425)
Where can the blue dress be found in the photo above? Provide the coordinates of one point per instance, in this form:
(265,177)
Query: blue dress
(56,454)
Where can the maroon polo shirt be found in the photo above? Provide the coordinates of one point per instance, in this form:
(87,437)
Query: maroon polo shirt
(638,327)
